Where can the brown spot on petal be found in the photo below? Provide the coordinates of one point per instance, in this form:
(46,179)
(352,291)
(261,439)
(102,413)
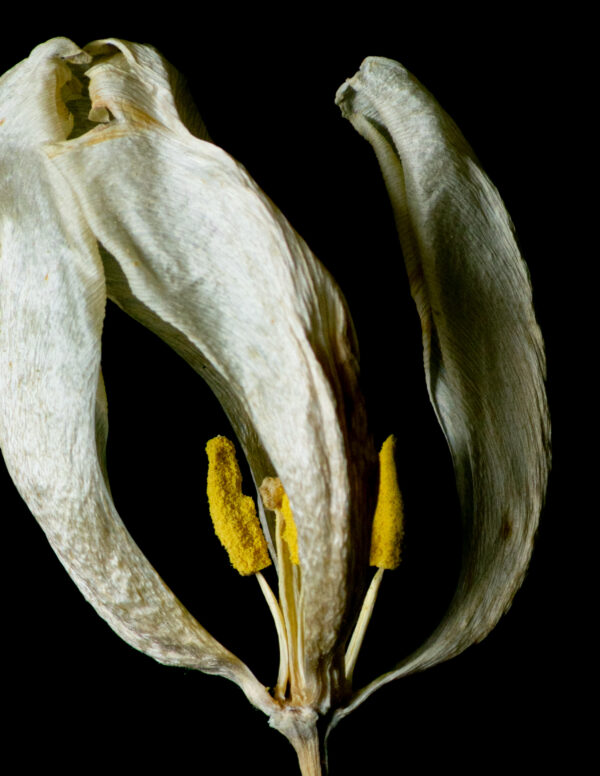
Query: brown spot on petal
(506,529)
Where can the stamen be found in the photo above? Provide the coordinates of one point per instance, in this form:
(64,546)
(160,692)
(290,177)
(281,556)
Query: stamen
(289,532)
(388,523)
(238,528)
(361,624)
(284,667)
(386,538)
(233,514)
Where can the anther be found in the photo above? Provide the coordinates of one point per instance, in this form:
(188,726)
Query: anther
(233,514)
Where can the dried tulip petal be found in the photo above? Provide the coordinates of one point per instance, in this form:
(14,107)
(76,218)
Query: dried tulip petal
(483,351)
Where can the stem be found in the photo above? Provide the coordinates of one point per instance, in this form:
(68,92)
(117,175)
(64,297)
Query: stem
(300,726)
(362,623)
(309,755)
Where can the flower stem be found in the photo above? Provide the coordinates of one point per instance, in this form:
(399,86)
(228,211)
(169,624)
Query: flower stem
(300,725)
(309,755)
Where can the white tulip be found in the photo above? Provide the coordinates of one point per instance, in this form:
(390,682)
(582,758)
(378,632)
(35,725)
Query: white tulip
(111,188)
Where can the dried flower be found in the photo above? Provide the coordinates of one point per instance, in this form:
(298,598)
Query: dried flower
(111,188)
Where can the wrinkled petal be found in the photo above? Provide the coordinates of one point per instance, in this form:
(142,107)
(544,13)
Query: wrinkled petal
(196,252)
(52,404)
(483,352)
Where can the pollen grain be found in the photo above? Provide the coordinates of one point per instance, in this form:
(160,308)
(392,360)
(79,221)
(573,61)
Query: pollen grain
(234,515)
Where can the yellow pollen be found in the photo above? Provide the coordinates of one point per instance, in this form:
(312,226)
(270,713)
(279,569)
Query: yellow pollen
(274,497)
(388,527)
(290,534)
(233,514)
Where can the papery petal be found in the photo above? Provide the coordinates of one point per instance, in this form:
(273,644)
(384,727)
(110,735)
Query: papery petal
(483,352)
(52,405)
(200,255)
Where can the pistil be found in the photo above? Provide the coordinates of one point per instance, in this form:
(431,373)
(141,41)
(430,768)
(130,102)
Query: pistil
(289,575)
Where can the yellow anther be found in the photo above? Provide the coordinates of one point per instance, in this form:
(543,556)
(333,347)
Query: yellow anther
(233,514)
(290,534)
(388,527)
(274,497)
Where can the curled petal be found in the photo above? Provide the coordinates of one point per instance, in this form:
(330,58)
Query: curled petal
(52,405)
(196,252)
(483,351)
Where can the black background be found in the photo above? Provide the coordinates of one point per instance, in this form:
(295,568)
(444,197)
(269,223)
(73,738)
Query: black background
(77,696)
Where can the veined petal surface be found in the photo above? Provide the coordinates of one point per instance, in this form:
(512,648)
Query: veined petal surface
(196,252)
(483,352)
(52,405)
